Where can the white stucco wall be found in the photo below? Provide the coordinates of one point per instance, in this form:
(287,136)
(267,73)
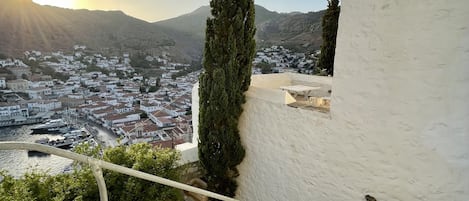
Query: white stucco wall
(399,122)
(189,151)
(284,155)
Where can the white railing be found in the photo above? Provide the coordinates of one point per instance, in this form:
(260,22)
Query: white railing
(97,165)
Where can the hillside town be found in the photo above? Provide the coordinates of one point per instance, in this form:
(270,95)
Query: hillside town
(106,91)
(109,92)
(277,59)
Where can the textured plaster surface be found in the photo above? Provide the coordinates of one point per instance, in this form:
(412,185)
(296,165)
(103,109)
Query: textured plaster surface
(399,122)
(189,151)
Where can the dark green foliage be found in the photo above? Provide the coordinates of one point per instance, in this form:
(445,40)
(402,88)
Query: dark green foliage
(81,184)
(46,70)
(160,162)
(186,70)
(53,59)
(330,23)
(7,74)
(229,51)
(3,56)
(265,67)
(181,73)
(94,68)
(138,60)
(36,67)
(153,89)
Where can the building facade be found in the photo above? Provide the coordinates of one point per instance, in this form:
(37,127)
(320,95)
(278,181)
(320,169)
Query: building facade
(18,85)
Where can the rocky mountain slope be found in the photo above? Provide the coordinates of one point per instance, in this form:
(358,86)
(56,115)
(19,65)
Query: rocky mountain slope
(295,30)
(25,25)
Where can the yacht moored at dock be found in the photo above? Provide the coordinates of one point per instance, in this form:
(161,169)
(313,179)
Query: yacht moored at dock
(63,143)
(51,126)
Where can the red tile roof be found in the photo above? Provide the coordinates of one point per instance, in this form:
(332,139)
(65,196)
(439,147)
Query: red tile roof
(160,113)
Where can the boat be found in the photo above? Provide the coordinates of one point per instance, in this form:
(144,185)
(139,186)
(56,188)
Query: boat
(53,126)
(75,134)
(67,142)
(61,143)
(43,141)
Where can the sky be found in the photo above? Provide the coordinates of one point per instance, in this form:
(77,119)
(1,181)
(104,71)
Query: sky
(156,10)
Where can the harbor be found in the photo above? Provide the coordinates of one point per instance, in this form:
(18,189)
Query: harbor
(20,120)
(18,162)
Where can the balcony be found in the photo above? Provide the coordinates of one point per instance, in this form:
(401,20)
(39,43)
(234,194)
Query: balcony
(268,89)
(295,90)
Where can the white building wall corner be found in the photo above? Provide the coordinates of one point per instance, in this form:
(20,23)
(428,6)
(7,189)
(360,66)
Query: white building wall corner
(189,151)
(399,126)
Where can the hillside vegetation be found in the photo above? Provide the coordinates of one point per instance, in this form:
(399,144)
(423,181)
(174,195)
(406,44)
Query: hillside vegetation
(25,25)
(298,31)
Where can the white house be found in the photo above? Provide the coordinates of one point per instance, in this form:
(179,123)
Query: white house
(115,119)
(123,108)
(127,98)
(6,62)
(140,132)
(149,107)
(111,87)
(98,114)
(8,111)
(165,122)
(154,116)
(87,109)
(173,111)
(3,83)
(149,58)
(63,90)
(44,105)
(39,92)
(18,85)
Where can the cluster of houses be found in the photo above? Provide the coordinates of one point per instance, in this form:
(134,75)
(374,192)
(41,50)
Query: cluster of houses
(284,60)
(161,117)
(118,103)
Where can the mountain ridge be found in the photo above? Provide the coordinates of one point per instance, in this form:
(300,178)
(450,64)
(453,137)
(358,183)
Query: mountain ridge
(296,30)
(25,25)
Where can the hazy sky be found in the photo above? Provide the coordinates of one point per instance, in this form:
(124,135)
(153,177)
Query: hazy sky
(155,10)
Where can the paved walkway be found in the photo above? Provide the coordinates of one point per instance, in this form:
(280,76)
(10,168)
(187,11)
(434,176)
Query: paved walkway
(105,137)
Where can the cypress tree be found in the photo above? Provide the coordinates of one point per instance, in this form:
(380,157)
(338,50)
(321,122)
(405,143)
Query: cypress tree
(229,51)
(330,23)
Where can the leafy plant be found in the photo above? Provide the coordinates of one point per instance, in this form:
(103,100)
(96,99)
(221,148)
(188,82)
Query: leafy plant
(81,184)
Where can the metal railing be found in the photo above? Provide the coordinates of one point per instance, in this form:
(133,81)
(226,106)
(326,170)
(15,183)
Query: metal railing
(98,165)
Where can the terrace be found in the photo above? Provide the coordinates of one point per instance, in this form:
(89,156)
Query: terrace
(295,90)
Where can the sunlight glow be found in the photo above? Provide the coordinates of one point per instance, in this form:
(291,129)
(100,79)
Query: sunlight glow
(58,3)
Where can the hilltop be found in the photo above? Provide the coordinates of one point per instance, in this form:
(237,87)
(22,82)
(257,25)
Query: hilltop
(294,30)
(25,25)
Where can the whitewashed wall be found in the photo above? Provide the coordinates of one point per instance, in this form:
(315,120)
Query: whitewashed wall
(399,123)
(189,151)
(285,154)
